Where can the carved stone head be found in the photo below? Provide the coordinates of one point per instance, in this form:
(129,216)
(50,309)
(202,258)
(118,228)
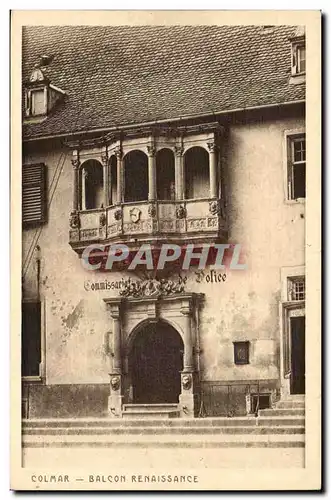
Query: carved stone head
(115,382)
(180,212)
(187,382)
(118,214)
(102,220)
(74,221)
(214,207)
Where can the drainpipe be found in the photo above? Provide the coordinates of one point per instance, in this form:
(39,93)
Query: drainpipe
(37,257)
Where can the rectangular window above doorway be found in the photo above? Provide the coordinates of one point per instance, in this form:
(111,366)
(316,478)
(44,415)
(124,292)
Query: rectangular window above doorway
(296,166)
(296,288)
(33,194)
(31,341)
(241,353)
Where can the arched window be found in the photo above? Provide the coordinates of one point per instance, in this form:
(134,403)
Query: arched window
(135,176)
(165,174)
(196,171)
(91,185)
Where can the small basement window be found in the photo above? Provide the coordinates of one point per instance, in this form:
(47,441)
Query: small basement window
(241,353)
(259,402)
(296,153)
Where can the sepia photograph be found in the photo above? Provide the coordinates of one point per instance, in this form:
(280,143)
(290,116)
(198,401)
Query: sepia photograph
(166,321)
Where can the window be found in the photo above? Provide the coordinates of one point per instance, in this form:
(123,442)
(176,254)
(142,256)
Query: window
(241,353)
(92,189)
(36,102)
(259,402)
(135,176)
(40,95)
(38,105)
(296,167)
(298,58)
(33,194)
(165,174)
(31,339)
(296,288)
(293,329)
(196,173)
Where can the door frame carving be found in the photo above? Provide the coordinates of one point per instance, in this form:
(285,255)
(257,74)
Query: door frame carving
(181,311)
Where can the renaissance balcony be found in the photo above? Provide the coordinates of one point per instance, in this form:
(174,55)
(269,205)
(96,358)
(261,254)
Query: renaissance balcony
(150,189)
(140,222)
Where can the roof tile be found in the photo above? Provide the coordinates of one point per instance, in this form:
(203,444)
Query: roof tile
(118,75)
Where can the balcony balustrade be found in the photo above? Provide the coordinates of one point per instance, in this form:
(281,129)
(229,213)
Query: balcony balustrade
(134,223)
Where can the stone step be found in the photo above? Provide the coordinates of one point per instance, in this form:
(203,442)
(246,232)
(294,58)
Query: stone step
(281,421)
(176,422)
(118,422)
(156,414)
(290,404)
(295,397)
(159,441)
(161,430)
(149,407)
(282,412)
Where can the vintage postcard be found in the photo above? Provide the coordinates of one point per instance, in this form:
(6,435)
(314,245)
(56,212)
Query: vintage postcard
(165,201)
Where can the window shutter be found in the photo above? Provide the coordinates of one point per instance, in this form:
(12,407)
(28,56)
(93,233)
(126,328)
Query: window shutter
(34,194)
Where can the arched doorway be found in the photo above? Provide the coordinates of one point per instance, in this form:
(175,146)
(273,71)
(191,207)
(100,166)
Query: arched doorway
(155,363)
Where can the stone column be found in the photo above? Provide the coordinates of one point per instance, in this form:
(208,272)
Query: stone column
(188,347)
(105,160)
(187,396)
(117,356)
(84,179)
(212,169)
(179,173)
(120,174)
(115,397)
(151,173)
(75,200)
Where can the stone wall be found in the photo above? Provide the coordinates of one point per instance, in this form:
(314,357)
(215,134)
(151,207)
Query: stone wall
(241,305)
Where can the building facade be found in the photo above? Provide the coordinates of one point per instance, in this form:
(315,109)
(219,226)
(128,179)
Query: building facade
(150,136)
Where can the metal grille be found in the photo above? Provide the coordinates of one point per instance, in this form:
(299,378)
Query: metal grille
(297,288)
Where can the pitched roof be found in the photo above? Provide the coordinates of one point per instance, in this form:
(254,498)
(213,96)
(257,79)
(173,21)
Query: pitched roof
(118,75)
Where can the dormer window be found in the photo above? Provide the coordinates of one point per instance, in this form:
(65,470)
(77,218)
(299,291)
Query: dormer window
(40,95)
(298,57)
(37,102)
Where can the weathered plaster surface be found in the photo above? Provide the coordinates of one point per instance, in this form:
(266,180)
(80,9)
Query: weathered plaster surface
(243,307)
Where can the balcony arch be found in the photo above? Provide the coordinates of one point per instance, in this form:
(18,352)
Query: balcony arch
(135,165)
(91,185)
(165,174)
(196,173)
